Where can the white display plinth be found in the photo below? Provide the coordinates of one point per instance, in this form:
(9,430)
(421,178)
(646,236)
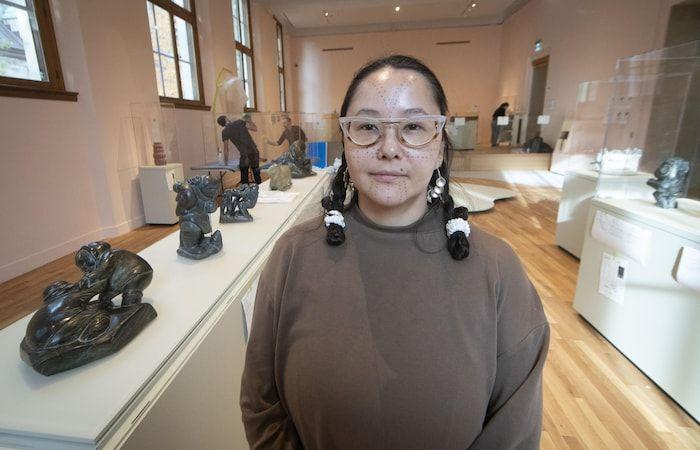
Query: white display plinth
(157,193)
(579,188)
(656,324)
(176,384)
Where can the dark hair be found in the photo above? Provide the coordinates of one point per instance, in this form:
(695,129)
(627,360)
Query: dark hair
(504,104)
(458,244)
(221,120)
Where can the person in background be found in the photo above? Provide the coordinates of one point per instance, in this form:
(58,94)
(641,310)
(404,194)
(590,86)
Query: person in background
(291,133)
(495,128)
(238,133)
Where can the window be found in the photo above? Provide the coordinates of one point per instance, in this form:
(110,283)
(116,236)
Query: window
(244,49)
(29,63)
(280,66)
(173,28)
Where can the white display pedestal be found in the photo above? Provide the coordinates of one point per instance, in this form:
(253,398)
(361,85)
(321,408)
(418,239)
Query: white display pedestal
(157,192)
(657,323)
(177,384)
(579,188)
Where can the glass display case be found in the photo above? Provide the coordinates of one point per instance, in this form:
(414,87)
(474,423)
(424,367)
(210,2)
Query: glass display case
(267,130)
(653,115)
(583,134)
(153,123)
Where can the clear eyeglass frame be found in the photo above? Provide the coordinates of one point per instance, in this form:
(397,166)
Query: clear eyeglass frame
(381,123)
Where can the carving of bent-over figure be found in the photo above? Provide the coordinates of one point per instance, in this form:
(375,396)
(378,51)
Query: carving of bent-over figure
(71,330)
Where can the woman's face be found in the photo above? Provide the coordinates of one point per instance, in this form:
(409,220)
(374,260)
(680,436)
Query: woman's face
(388,174)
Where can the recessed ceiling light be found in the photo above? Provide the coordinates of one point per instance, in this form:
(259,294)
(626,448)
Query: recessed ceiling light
(474,5)
(325,13)
(397,9)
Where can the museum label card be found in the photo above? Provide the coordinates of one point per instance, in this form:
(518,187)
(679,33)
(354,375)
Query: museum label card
(170,179)
(621,236)
(502,120)
(276,197)
(688,270)
(248,303)
(613,272)
(460,121)
(542,120)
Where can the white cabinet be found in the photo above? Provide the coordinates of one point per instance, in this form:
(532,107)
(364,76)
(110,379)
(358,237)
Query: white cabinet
(656,324)
(157,192)
(579,188)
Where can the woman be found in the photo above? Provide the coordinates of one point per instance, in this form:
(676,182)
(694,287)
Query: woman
(394,326)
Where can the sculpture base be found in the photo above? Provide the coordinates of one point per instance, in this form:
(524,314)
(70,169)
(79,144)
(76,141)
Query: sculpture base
(125,323)
(209,245)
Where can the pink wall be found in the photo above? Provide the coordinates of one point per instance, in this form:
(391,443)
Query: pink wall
(583,41)
(468,72)
(72,167)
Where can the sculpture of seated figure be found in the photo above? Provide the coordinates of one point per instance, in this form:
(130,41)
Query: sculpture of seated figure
(235,203)
(280,177)
(296,159)
(195,201)
(71,329)
(670,181)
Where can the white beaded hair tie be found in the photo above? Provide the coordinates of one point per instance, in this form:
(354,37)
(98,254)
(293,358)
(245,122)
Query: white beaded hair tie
(334,216)
(457,224)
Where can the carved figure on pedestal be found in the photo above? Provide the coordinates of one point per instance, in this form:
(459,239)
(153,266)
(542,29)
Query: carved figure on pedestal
(670,181)
(195,201)
(235,203)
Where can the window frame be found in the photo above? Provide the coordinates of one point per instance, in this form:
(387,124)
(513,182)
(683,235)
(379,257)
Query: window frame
(249,51)
(55,88)
(191,18)
(280,69)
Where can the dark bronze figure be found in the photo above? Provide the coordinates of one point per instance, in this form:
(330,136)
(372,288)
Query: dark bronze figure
(235,203)
(195,201)
(296,159)
(72,329)
(670,182)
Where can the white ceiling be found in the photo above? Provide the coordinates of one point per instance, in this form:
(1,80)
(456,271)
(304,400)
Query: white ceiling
(306,17)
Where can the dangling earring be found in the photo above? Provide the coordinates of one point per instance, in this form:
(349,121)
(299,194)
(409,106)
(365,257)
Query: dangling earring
(437,190)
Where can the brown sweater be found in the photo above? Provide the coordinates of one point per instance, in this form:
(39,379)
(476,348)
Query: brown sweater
(386,342)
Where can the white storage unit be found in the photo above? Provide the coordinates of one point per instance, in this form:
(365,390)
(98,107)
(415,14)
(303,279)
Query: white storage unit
(576,194)
(157,192)
(655,323)
(176,385)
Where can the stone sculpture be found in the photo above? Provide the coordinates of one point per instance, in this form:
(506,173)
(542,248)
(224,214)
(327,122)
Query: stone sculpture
(670,181)
(235,203)
(296,159)
(72,329)
(195,201)
(280,177)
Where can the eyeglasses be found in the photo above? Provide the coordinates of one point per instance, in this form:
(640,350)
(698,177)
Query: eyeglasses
(416,131)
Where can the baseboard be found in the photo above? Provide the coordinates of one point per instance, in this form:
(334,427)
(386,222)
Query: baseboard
(31,262)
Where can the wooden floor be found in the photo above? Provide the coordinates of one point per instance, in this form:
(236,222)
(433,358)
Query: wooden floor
(594,398)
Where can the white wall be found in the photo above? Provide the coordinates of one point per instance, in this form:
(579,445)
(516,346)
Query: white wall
(469,73)
(71,168)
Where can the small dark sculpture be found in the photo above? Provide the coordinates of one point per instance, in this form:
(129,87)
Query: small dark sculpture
(670,181)
(71,330)
(235,203)
(296,159)
(195,201)
(280,177)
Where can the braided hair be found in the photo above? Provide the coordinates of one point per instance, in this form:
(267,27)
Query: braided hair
(457,243)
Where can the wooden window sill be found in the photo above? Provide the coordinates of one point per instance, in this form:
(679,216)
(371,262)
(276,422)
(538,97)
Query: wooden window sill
(37,92)
(184,104)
